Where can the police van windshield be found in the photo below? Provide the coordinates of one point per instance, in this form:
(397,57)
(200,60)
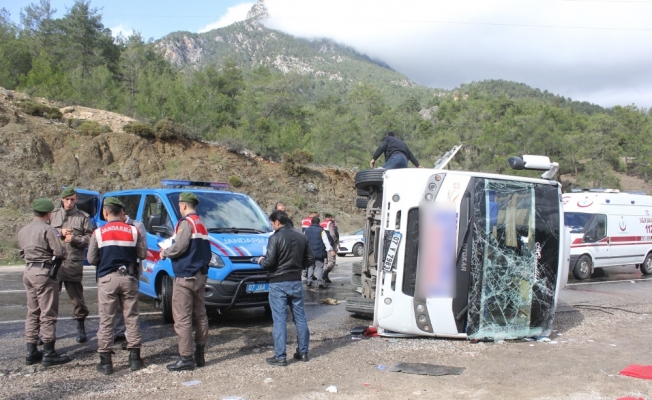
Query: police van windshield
(576,221)
(228,213)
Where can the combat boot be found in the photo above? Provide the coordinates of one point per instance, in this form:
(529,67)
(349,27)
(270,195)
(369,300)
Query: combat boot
(81,331)
(34,355)
(135,362)
(51,357)
(106,364)
(184,364)
(200,360)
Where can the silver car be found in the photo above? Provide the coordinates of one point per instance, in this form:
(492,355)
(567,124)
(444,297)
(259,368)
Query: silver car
(352,244)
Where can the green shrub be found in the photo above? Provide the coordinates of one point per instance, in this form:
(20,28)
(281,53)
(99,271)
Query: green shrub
(39,110)
(92,128)
(235,181)
(295,163)
(167,129)
(140,129)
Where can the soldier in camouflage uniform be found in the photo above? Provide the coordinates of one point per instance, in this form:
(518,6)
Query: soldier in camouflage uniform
(75,228)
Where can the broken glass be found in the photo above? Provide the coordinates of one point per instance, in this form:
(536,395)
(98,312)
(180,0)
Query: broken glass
(514,259)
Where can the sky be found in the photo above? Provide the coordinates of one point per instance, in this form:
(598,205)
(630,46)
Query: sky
(589,50)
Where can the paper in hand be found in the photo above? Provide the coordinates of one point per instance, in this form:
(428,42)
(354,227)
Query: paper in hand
(167,243)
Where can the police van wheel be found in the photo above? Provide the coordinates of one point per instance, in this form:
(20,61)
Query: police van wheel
(360,306)
(646,267)
(166,299)
(369,177)
(583,268)
(358,251)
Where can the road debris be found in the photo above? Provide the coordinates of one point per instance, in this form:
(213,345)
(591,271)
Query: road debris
(331,389)
(426,369)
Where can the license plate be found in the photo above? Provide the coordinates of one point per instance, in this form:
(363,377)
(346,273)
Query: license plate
(257,287)
(391,252)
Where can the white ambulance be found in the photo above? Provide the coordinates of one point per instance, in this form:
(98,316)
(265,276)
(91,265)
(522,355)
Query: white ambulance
(608,228)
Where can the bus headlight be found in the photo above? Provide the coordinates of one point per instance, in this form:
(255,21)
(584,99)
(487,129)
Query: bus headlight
(216,261)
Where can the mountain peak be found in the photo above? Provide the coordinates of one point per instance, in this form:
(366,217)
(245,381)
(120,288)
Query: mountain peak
(258,11)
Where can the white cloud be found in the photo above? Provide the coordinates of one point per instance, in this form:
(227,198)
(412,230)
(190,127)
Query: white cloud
(233,14)
(594,50)
(125,31)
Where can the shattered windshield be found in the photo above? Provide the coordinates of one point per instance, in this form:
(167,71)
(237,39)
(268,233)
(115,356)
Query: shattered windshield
(514,261)
(576,221)
(221,211)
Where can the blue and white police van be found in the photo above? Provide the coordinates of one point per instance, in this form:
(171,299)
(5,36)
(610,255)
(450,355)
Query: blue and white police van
(238,230)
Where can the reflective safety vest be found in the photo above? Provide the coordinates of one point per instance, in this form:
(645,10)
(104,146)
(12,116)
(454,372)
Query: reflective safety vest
(116,242)
(305,224)
(198,253)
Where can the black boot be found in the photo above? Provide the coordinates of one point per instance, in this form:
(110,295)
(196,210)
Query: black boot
(81,331)
(200,360)
(135,362)
(106,364)
(51,357)
(184,364)
(33,354)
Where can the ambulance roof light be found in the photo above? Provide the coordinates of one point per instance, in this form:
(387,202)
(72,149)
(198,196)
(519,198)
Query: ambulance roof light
(539,163)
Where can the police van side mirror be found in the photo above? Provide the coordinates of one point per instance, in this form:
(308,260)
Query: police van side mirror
(163,230)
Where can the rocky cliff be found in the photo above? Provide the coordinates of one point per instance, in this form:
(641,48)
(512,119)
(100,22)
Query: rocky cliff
(38,156)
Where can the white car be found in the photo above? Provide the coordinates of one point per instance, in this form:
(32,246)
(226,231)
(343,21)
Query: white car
(352,244)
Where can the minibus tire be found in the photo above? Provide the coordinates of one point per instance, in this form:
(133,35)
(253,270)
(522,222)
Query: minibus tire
(646,267)
(357,268)
(362,192)
(360,306)
(356,280)
(583,267)
(361,202)
(368,178)
(166,299)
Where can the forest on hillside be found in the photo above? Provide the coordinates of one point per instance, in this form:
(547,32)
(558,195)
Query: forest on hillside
(76,60)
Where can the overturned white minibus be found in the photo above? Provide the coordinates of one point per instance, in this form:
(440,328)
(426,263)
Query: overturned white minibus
(464,254)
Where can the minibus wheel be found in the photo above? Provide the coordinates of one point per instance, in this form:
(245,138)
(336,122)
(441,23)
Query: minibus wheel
(363,193)
(360,306)
(646,267)
(583,268)
(369,177)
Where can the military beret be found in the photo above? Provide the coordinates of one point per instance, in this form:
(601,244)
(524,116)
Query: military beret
(113,201)
(69,191)
(313,210)
(188,197)
(329,214)
(43,205)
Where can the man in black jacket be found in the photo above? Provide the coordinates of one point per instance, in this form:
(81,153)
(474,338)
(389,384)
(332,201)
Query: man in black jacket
(288,253)
(396,153)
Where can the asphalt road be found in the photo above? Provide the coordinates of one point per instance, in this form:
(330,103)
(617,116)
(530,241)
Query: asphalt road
(602,320)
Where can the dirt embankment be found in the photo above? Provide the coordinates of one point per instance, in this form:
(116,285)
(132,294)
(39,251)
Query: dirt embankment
(38,156)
